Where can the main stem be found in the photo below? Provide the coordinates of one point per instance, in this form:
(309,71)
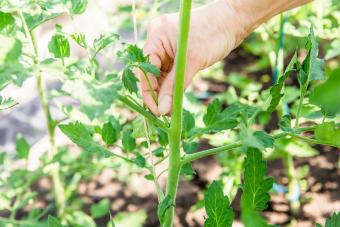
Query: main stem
(58,189)
(176,120)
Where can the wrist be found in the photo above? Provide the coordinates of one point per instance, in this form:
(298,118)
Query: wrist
(249,14)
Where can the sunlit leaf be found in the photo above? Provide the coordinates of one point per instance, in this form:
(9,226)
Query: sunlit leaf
(78,6)
(79,38)
(79,135)
(59,46)
(328,133)
(6,20)
(326,95)
(104,41)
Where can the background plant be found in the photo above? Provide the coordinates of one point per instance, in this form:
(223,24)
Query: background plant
(98,129)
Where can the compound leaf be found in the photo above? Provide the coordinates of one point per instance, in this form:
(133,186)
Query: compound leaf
(79,135)
(217,207)
(104,41)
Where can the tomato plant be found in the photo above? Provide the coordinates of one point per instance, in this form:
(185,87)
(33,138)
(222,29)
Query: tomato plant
(94,125)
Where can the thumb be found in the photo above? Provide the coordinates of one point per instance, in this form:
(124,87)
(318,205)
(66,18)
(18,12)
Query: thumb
(167,89)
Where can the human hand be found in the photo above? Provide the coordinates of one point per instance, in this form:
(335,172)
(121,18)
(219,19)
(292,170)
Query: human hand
(214,32)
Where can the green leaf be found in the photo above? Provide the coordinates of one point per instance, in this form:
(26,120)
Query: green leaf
(100,209)
(333,221)
(292,146)
(132,54)
(334,50)
(256,185)
(149,68)
(214,109)
(79,135)
(2,158)
(158,152)
(149,177)
(53,222)
(285,123)
(78,6)
(187,170)
(35,20)
(258,139)
(188,123)
(276,90)
(104,41)
(140,160)
(6,103)
(22,147)
(131,219)
(227,119)
(190,147)
(162,207)
(130,80)
(129,143)
(59,46)
(312,67)
(10,49)
(109,134)
(162,137)
(328,133)
(95,97)
(326,95)
(6,20)
(217,206)
(79,38)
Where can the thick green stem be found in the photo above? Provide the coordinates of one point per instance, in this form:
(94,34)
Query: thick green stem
(192,157)
(176,120)
(58,188)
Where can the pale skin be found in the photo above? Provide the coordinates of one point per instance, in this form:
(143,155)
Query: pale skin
(215,30)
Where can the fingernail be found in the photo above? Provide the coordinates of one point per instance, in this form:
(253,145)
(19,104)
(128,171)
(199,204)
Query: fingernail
(164,104)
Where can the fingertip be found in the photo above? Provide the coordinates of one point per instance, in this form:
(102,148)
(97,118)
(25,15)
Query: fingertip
(164,105)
